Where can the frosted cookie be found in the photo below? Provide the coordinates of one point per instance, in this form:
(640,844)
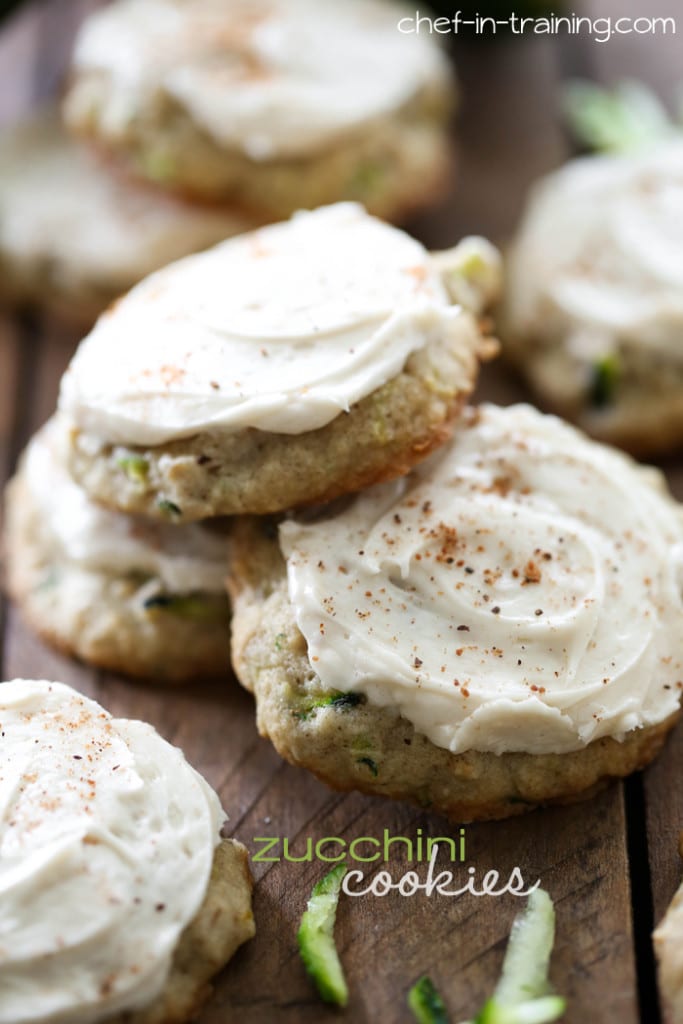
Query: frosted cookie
(668,943)
(120,899)
(73,237)
(143,598)
(273,105)
(594,306)
(502,628)
(286,366)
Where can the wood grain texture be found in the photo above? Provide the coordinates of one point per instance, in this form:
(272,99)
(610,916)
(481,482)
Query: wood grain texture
(664,792)
(509,133)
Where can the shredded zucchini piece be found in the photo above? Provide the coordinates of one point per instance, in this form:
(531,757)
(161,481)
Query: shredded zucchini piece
(623,119)
(604,380)
(316,939)
(522,995)
(187,606)
(169,508)
(136,467)
(426,1003)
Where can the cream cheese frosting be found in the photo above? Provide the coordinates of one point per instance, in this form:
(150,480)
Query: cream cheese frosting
(599,256)
(57,205)
(522,590)
(281,330)
(270,78)
(180,559)
(107,840)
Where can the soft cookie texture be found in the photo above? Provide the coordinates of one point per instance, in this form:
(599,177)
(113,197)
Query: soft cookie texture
(222,924)
(73,237)
(282,368)
(593,314)
(273,106)
(499,630)
(129,900)
(142,598)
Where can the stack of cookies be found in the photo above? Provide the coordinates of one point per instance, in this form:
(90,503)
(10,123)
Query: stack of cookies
(188,123)
(283,368)
(478,610)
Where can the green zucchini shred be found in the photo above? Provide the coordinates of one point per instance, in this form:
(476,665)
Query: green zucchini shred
(361,744)
(604,378)
(168,507)
(344,701)
(627,118)
(426,1003)
(135,467)
(544,1010)
(338,699)
(159,165)
(522,995)
(367,178)
(187,606)
(316,939)
(372,765)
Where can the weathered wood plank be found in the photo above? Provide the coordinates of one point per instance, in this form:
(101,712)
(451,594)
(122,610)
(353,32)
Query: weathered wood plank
(18,47)
(665,822)
(663,792)
(387,943)
(507,134)
(9,380)
(9,383)
(35,46)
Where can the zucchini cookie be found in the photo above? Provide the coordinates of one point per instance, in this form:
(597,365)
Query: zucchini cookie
(73,237)
(120,899)
(135,596)
(500,629)
(283,367)
(593,313)
(273,105)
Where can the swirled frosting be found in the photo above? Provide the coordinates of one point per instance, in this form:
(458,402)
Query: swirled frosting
(281,329)
(57,206)
(107,840)
(599,255)
(269,78)
(182,559)
(520,591)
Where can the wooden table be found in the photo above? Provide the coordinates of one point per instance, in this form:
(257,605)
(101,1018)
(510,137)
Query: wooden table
(611,863)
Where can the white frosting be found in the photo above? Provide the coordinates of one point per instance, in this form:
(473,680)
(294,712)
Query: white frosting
(270,78)
(281,329)
(561,557)
(58,205)
(182,559)
(107,838)
(599,256)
